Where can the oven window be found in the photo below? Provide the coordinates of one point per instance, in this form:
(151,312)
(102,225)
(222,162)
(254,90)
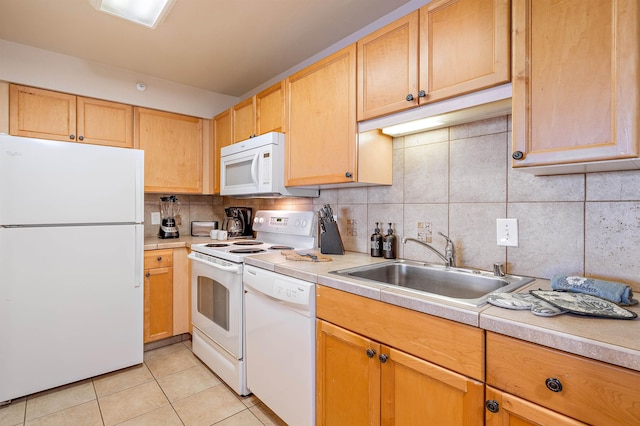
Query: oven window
(213,301)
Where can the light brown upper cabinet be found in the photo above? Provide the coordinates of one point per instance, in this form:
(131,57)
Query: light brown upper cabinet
(47,114)
(221,131)
(173,149)
(445,49)
(259,114)
(321,121)
(243,120)
(576,97)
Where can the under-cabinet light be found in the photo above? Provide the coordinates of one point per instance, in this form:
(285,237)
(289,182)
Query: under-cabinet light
(412,126)
(145,12)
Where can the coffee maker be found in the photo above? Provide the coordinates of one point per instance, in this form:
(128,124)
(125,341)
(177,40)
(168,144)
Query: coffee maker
(169,209)
(238,222)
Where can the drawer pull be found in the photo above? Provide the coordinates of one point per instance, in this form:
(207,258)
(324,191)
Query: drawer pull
(492,405)
(553,384)
(371,353)
(159,258)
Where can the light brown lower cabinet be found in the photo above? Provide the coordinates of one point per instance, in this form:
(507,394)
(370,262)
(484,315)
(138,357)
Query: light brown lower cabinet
(581,388)
(379,364)
(504,409)
(158,295)
(362,382)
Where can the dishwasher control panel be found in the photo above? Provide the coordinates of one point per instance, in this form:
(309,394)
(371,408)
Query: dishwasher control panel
(280,287)
(291,292)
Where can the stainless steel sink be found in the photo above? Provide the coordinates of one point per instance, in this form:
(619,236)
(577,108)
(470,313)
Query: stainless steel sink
(467,286)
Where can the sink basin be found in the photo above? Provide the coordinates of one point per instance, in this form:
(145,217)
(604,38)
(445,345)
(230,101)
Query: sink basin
(466,286)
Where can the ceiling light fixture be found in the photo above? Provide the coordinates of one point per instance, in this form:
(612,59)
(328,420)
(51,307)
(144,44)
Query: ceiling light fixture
(144,12)
(413,126)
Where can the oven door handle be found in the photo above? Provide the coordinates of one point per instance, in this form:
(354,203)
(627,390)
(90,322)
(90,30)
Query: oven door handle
(233,268)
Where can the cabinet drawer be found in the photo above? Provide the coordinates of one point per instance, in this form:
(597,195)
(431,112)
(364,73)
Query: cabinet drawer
(591,391)
(158,259)
(458,347)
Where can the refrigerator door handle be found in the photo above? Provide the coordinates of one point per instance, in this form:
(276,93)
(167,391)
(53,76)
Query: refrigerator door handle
(140,193)
(139,262)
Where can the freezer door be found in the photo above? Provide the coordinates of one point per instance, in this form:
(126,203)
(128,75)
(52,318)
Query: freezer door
(71,304)
(51,182)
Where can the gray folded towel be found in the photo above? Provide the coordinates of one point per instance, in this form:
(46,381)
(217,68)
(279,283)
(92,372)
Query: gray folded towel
(608,290)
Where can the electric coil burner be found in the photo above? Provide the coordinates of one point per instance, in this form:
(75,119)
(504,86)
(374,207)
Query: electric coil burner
(217,289)
(247,250)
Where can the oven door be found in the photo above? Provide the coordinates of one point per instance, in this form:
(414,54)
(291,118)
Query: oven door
(217,302)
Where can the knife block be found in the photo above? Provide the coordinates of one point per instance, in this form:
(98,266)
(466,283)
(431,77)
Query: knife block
(330,241)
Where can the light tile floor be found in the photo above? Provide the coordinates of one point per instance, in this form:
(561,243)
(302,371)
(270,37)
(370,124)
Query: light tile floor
(171,387)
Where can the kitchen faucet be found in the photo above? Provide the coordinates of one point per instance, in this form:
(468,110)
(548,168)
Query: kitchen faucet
(449,256)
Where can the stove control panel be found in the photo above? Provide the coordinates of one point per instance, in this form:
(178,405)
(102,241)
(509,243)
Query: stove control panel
(284,222)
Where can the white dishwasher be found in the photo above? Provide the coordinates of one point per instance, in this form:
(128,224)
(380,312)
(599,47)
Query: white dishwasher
(280,343)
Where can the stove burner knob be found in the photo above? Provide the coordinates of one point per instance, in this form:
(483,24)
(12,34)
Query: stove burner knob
(297,223)
(304,223)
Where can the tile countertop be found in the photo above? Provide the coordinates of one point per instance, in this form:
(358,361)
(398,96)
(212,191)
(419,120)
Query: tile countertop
(608,340)
(155,243)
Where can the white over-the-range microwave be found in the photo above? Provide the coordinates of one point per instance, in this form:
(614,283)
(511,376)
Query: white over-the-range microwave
(255,168)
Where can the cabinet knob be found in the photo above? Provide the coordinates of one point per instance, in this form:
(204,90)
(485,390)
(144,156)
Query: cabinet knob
(371,353)
(518,155)
(348,174)
(383,358)
(409,97)
(72,137)
(147,275)
(80,138)
(492,405)
(422,94)
(159,258)
(553,384)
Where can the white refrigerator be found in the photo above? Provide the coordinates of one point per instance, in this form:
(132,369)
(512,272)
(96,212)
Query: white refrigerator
(71,262)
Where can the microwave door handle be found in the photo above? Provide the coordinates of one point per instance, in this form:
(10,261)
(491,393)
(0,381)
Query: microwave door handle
(254,169)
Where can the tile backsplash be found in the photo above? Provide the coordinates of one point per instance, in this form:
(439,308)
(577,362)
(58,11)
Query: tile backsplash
(211,207)
(458,181)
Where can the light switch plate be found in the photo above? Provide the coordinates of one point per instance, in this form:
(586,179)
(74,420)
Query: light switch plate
(155,218)
(507,232)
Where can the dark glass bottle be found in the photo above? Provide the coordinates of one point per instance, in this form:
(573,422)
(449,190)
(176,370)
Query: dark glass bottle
(376,242)
(389,245)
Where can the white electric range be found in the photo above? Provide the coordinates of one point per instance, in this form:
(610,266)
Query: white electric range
(217,290)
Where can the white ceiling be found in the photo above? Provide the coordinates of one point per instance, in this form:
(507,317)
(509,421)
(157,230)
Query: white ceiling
(224,46)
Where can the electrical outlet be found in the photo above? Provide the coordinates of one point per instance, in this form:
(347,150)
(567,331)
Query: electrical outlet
(507,234)
(155,218)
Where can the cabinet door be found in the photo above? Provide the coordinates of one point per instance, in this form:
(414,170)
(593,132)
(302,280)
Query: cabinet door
(464,46)
(221,125)
(576,96)
(347,377)
(388,68)
(244,120)
(321,122)
(417,392)
(37,113)
(172,145)
(509,410)
(158,304)
(270,109)
(104,123)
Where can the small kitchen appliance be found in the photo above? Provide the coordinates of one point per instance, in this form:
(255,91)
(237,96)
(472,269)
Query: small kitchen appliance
(238,222)
(255,168)
(169,209)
